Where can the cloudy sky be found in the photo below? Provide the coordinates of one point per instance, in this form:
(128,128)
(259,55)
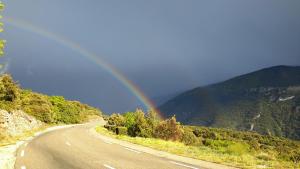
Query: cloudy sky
(163,46)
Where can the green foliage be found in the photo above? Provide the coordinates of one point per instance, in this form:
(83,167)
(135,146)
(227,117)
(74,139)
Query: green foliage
(189,138)
(141,127)
(48,109)
(238,148)
(228,142)
(116,120)
(130,119)
(169,129)
(38,106)
(121,131)
(139,124)
(9,90)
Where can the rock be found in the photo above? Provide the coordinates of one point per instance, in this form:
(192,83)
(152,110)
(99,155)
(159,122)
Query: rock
(17,122)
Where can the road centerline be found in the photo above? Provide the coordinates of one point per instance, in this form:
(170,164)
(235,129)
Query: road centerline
(107,166)
(68,144)
(129,149)
(107,142)
(22,153)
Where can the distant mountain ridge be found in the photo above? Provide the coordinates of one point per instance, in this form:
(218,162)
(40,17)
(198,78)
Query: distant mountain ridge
(266,101)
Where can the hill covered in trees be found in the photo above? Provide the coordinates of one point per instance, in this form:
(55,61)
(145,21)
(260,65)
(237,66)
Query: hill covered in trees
(48,109)
(266,101)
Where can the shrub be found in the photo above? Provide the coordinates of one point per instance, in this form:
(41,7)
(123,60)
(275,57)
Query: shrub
(265,156)
(254,144)
(295,156)
(197,133)
(121,130)
(238,148)
(9,90)
(169,130)
(140,126)
(153,119)
(111,128)
(206,133)
(54,109)
(116,119)
(38,106)
(189,138)
(129,119)
(216,144)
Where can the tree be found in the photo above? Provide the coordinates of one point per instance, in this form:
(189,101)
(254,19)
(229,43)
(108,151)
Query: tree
(9,90)
(169,129)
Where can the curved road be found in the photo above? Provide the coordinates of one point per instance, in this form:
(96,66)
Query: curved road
(77,148)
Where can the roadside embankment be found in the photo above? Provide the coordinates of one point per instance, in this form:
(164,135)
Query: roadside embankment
(17,128)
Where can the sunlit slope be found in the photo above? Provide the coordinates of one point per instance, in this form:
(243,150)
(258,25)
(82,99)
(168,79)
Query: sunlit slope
(266,101)
(47,109)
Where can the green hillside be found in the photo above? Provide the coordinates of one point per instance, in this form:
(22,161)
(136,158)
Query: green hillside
(225,146)
(48,109)
(266,101)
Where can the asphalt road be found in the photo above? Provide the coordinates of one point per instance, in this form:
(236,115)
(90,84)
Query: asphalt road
(76,148)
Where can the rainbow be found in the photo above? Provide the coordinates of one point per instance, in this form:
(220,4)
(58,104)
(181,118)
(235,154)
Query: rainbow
(134,89)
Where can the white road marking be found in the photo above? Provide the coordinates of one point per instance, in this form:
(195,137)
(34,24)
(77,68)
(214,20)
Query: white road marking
(107,166)
(23,167)
(183,165)
(22,153)
(107,142)
(132,150)
(68,144)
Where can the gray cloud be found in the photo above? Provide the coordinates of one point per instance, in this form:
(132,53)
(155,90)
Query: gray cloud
(163,46)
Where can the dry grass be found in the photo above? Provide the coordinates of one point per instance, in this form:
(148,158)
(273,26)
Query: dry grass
(9,140)
(246,160)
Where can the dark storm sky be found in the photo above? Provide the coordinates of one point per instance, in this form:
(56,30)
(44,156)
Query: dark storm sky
(164,46)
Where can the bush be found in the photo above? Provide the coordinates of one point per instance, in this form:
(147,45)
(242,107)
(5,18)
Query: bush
(238,148)
(38,106)
(189,138)
(254,144)
(54,109)
(121,130)
(206,133)
(9,90)
(140,126)
(295,156)
(111,127)
(116,119)
(265,157)
(197,133)
(169,130)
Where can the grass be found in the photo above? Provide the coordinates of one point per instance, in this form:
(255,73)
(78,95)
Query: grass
(244,160)
(8,140)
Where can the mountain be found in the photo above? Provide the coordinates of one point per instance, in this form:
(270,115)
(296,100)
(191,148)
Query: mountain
(159,100)
(266,101)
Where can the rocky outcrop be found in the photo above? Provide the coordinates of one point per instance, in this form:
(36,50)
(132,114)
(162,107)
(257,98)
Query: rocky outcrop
(17,122)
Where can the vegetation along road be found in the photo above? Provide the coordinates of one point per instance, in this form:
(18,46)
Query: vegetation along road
(76,147)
